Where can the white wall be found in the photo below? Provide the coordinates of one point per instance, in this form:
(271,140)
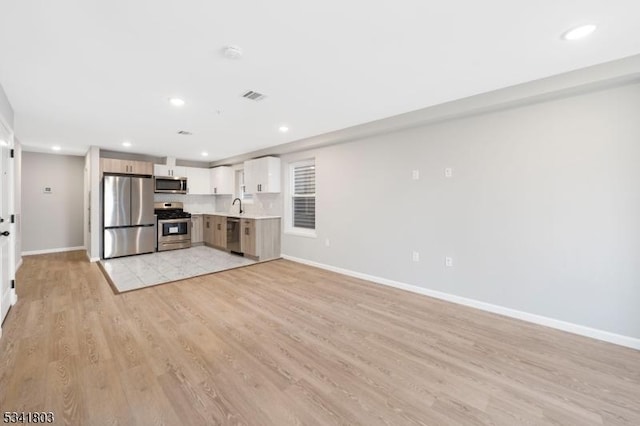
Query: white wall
(86,204)
(541,214)
(95,206)
(6,112)
(52,221)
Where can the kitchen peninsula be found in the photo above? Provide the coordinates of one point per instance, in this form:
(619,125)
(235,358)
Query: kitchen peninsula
(255,236)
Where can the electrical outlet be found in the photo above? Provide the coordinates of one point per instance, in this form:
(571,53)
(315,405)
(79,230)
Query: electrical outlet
(415,174)
(448,172)
(327,242)
(415,256)
(448,261)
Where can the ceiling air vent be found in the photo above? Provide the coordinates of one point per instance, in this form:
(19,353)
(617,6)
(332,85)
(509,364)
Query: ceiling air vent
(184,132)
(254,96)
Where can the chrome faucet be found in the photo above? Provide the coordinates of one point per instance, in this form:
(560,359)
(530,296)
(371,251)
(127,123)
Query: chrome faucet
(240,201)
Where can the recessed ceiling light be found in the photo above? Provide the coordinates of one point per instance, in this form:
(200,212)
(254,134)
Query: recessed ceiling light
(283,129)
(176,102)
(579,32)
(204,153)
(126,143)
(56,148)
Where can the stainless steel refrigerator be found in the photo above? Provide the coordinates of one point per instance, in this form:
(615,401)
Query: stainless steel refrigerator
(129,226)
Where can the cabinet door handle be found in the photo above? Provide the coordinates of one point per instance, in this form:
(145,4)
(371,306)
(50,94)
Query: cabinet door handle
(219,228)
(246,231)
(215,190)
(207,224)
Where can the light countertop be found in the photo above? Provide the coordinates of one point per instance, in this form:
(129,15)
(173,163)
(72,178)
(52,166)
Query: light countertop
(243,215)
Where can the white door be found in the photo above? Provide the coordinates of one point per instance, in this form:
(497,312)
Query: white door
(6,270)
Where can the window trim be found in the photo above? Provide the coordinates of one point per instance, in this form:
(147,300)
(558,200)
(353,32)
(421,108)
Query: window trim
(236,169)
(289,229)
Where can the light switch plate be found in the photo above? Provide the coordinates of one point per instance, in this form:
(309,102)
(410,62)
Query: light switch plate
(47,190)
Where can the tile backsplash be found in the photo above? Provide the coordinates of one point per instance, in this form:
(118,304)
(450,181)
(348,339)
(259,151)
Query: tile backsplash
(261,204)
(192,203)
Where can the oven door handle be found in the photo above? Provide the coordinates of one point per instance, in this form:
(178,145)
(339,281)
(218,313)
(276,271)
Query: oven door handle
(185,220)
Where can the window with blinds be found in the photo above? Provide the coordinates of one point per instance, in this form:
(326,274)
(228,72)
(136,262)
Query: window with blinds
(303,194)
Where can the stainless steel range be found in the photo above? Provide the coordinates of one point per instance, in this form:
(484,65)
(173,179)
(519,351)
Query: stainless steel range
(174,226)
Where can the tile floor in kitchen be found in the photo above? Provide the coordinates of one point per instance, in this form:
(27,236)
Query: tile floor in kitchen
(135,272)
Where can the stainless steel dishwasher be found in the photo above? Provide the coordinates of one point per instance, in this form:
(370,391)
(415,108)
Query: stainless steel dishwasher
(233,234)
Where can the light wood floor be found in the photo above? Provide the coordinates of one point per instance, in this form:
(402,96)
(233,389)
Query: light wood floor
(281,343)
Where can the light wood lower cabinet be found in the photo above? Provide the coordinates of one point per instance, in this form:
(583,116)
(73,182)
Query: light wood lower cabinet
(215,231)
(260,238)
(220,232)
(208,229)
(197,230)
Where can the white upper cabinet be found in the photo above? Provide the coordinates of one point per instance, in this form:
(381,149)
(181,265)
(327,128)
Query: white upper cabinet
(262,175)
(164,170)
(221,180)
(198,180)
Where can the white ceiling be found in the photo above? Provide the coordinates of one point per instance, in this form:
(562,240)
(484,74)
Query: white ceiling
(88,72)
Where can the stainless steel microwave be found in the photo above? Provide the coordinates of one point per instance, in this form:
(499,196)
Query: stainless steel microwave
(170,184)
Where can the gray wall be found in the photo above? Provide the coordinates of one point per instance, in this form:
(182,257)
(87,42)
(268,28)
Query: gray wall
(541,214)
(52,221)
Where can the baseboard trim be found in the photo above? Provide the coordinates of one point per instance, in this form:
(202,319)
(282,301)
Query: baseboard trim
(89,258)
(19,264)
(53,250)
(606,336)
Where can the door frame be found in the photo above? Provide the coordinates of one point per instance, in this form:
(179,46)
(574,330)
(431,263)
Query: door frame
(13,297)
